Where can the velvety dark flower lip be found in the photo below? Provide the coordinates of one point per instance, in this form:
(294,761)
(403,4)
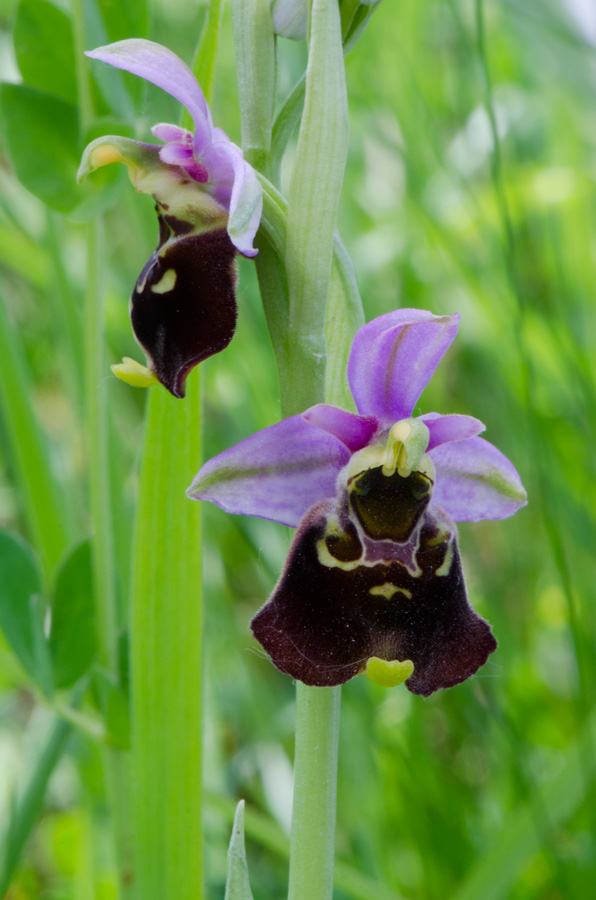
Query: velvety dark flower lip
(209,205)
(374,569)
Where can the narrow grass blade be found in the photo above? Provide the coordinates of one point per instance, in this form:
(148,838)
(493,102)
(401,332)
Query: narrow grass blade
(238,883)
(494,875)
(27,451)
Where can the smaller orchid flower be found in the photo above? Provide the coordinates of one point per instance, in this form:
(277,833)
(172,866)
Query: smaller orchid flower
(374,571)
(209,205)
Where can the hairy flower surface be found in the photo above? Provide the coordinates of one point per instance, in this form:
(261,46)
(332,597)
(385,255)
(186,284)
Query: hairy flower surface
(374,570)
(209,205)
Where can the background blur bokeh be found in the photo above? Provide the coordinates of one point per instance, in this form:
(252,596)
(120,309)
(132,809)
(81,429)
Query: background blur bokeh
(484,791)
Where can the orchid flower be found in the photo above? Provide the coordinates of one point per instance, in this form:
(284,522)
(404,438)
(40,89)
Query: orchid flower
(208,203)
(374,571)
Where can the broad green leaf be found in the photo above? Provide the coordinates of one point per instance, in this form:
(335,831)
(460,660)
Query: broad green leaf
(42,132)
(124,20)
(22,609)
(44,48)
(238,884)
(72,634)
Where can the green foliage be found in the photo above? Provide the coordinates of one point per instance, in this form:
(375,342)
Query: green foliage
(486,790)
(124,20)
(42,133)
(238,884)
(22,608)
(72,634)
(44,49)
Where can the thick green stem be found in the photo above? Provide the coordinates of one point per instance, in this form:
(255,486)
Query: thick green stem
(294,267)
(312,208)
(166,659)
(315,789)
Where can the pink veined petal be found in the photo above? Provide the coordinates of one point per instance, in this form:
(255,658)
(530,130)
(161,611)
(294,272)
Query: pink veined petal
(181,155)
(172,133)
(175,154)
(476,481)
(445,429)
(394,357)
(163,68)
(233,183)
(277,473)
(354,431)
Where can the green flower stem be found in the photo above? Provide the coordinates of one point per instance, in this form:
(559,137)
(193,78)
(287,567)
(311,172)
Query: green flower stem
(166,656)
(296,245)
(312,838)
(312,208)
(254,45)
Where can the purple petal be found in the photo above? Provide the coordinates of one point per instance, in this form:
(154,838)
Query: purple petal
(445,429)
(393,359)
(234,185)
(476,481)
(180,155)
(277,473)
(175,154)
(163,68)
(354,431)
(172,133)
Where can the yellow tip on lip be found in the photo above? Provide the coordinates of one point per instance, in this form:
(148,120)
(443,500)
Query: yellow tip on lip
(104,156)
(388,673)
(132,372)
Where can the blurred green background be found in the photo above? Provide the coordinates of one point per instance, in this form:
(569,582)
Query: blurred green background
(486,790)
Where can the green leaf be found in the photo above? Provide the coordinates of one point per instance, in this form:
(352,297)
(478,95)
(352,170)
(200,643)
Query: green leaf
(72,635)
(238,884)
(44,48)
(124,20)
(22,609)
(42,132)
(28,805)
(114,705)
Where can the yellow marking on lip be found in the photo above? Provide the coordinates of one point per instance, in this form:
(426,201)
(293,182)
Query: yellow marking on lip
(388,673)
(166,283)
(132,372)
(389,590)
(105,155)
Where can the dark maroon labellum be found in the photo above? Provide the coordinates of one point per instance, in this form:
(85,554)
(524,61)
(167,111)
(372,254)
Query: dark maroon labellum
(330,612)
(183,308)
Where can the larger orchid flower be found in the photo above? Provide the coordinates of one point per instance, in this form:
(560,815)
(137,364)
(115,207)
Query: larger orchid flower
(208,203)
(374,574)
